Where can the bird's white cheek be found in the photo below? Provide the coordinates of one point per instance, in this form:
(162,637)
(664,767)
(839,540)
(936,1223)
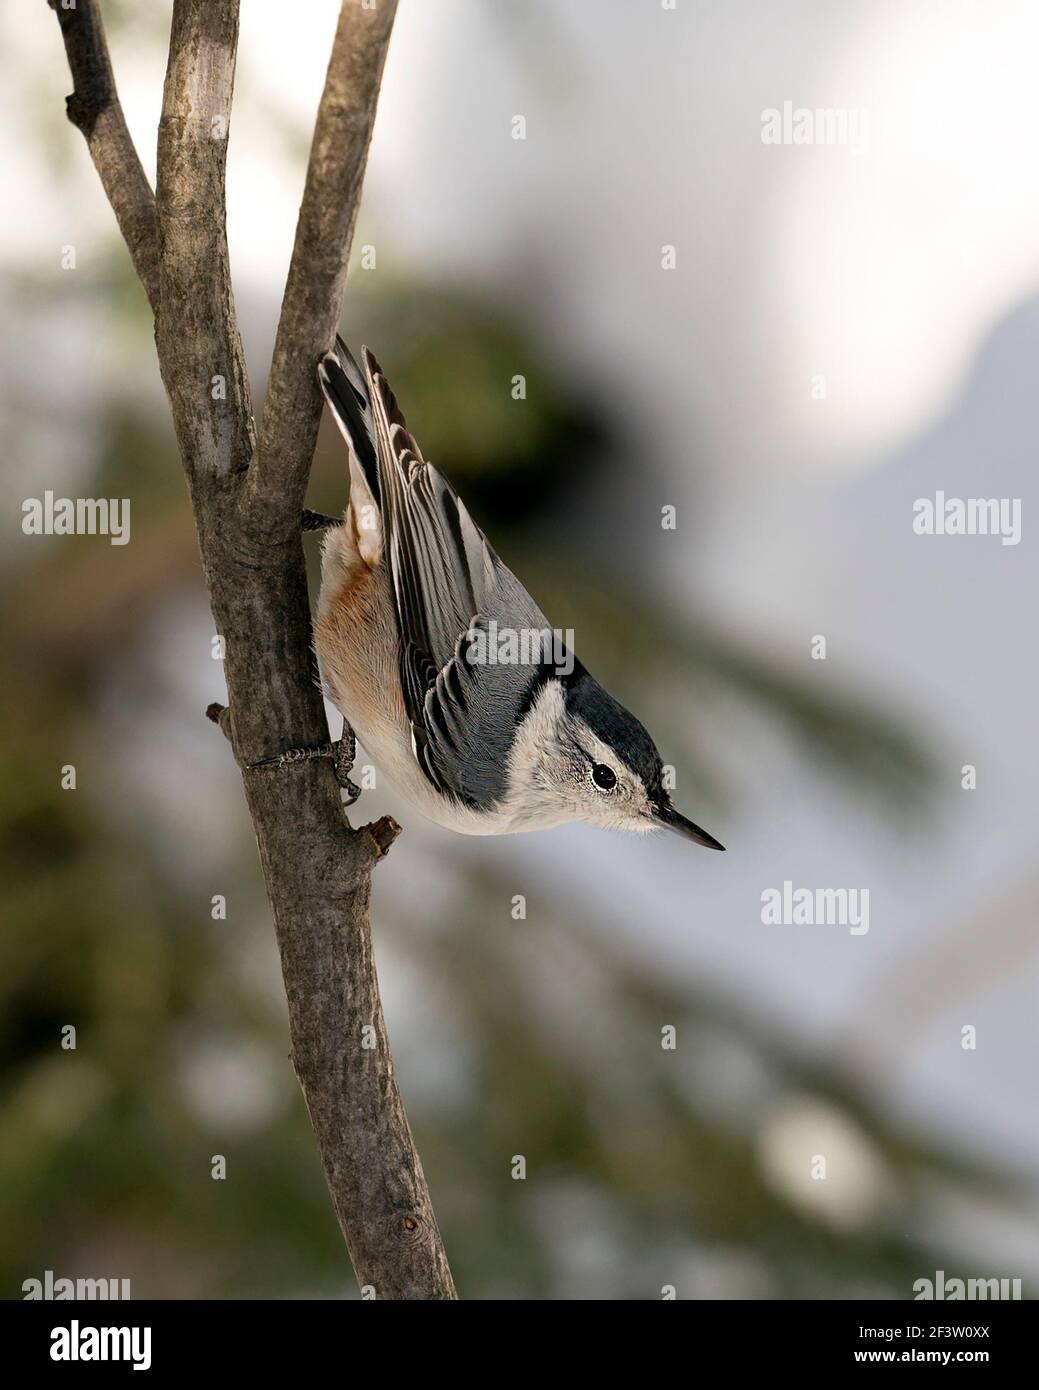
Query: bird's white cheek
(610,813)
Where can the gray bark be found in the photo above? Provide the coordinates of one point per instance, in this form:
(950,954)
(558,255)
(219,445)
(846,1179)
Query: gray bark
(246,502)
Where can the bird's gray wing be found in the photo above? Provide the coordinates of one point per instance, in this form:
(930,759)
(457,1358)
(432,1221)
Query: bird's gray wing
(448,584)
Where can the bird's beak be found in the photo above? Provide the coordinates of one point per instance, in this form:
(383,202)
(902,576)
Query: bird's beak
(667,816)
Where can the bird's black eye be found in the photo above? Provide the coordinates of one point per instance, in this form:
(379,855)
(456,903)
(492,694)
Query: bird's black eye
(604,777)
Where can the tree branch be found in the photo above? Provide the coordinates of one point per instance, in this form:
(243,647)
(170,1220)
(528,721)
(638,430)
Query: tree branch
(316,868)
(196,334)
(94,109)
(317,273)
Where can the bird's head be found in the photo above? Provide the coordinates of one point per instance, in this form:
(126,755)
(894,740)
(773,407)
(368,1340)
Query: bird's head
(579,755)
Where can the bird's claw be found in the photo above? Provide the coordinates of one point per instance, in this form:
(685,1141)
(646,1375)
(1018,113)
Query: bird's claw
(342,752)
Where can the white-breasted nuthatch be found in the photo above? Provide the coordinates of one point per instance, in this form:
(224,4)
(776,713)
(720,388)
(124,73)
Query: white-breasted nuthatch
(481,740)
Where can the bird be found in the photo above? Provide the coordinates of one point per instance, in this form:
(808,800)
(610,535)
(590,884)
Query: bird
(442,664)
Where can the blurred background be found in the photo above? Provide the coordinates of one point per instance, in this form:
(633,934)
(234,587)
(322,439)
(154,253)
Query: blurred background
(845,329)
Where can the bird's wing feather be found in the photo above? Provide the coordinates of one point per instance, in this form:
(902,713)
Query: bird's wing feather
(446,581)
(346,391)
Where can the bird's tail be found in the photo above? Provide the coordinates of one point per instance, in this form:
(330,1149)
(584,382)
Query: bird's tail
(346,392)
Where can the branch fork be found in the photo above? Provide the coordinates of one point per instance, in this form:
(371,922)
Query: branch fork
(247,489)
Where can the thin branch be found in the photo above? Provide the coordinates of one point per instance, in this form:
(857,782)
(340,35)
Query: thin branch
(200,353)
(317,869)
(94,109)
(317,273)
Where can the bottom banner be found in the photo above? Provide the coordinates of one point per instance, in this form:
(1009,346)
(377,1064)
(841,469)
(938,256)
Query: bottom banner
(172,1339)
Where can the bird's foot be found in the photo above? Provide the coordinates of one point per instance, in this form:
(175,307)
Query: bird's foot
(342,752)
